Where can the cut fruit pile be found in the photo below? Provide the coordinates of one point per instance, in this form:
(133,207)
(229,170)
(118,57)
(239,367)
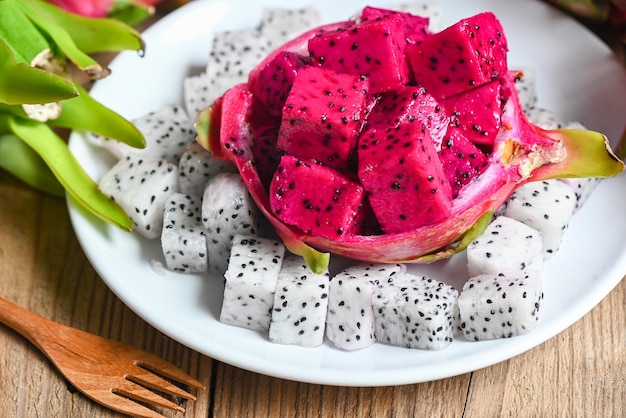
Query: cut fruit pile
(376,139)
(417,136)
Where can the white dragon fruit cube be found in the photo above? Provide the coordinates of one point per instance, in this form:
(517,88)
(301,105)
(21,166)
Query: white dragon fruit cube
(250,282)
(227,210)
(415,312)
(234,53)
(196,94)
(167,132)
(300,305)
(389,325)
(506,244)
(543,118)
(279,25)
(501,305)
(582,188)
(546,206)
(196,166)
(183,240)
(350,319)
(527,89)
(141,188)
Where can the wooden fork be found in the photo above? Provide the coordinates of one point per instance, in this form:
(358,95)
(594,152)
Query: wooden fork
(111,373)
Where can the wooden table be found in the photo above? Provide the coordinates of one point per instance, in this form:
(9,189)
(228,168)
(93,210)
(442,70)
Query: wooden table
(579,373)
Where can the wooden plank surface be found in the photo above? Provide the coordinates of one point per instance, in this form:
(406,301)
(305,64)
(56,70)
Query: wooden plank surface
(579,373)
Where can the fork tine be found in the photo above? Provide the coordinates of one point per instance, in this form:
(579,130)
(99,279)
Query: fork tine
(119,403)
(137,392)
(153,381)
(159,366)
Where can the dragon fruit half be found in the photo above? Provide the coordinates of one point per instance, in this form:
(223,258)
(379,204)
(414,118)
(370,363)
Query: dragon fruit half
(432,140)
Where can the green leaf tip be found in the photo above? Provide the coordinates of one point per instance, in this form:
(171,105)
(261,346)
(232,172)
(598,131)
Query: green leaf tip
(84,113)
(317,261)
(208,128)
(589,154)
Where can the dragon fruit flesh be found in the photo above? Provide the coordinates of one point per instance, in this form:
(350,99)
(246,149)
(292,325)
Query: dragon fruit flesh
(409,104)
(300,304)
(500,305)
(462,161)
(323,136)
(415,27)
(275,80)
(234,53)
(415,312)
(430,11)
(372,49)
(183,239)
(166,131)
(546,206)
(279,25)
(462,195)
(476,112)
(197,166)
(505,245)
(250,282)
(141,187)
(227,210)
(350,317)
(403,175)
(463,56)
(582,188)
(196,93)
(544,118)
(246,48)
(295,200)
(321,117)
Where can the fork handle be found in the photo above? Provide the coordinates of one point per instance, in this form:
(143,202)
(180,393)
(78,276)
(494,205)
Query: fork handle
(30,325)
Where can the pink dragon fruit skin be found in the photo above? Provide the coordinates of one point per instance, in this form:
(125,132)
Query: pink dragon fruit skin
(476,112)
(275,80)
(521,152)
(465,55)
(372,49)
(321,118)
(296,198)
(415,27)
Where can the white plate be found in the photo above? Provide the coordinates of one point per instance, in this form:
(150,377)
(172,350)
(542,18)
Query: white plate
(578,78)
